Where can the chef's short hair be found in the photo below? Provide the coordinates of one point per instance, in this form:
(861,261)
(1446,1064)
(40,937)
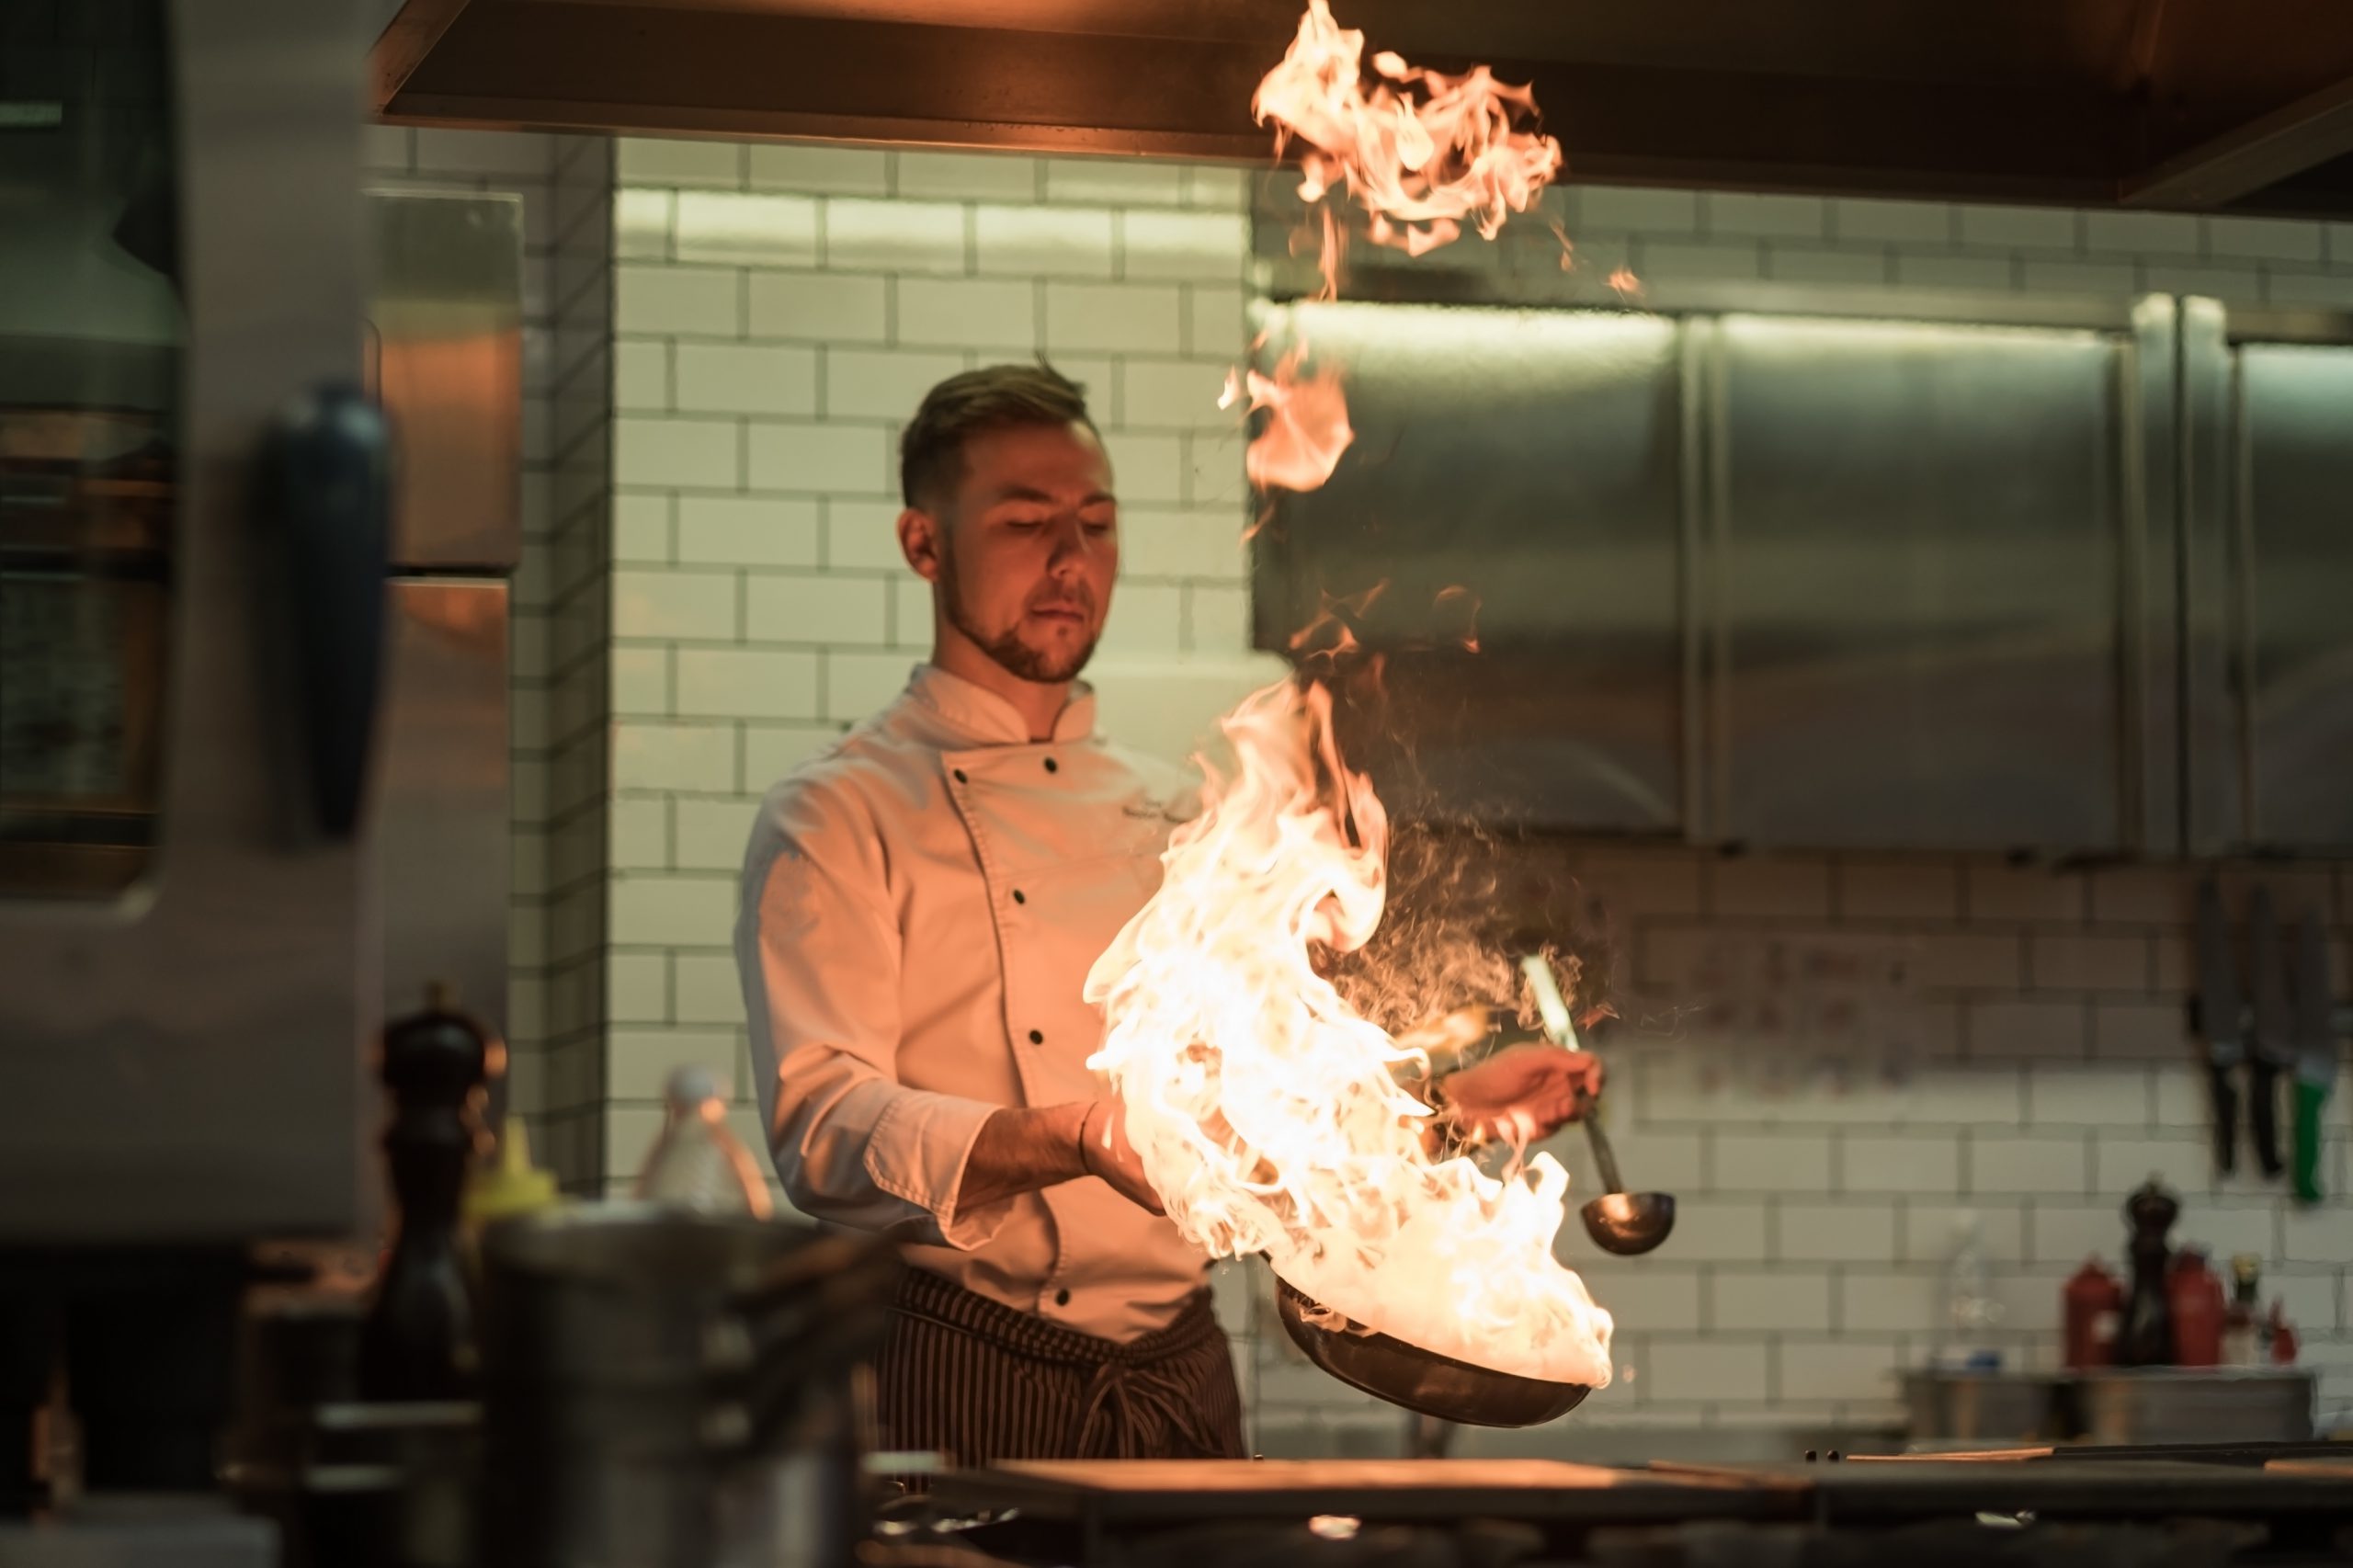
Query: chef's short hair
(931,451)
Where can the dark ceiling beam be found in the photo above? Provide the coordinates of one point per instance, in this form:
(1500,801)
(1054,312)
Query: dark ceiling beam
(411,35)
(2239,163)
(654,68)
(802,69)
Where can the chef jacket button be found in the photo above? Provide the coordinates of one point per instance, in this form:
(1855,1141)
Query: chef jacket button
(1020,897)
(1062,1297)
(1053,766)
(958,776)
(1037,1039)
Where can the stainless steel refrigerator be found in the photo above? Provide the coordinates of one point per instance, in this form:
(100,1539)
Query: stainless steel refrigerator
(443,354)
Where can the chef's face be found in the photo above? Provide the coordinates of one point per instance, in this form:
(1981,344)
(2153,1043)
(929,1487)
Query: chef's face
(1021,560)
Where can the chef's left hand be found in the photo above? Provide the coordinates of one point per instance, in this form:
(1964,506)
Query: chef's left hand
(1526,1090)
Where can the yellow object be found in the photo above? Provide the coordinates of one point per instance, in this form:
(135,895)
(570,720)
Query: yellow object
(513,1187)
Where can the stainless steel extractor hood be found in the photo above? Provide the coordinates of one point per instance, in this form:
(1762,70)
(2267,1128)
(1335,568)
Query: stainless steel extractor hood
(2194,105)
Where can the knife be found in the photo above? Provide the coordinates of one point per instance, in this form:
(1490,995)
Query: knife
(2273,1046)
(2315,1049)
(2218,1020)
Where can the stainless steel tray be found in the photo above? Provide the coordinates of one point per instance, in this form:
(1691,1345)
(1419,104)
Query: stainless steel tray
(2112,1405)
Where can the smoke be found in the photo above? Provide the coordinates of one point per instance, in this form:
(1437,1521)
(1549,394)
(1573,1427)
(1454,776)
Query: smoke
(1466,900)
(1448,938)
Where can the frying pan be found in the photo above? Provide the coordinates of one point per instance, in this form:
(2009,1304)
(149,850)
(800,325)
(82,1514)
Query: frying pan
(1416,1379)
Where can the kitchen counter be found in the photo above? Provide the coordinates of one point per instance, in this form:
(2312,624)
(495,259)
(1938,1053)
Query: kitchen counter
(1489,1514)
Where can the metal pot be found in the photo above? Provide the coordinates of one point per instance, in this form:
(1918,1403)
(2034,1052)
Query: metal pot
(668,1387)
(1419,1380)
(617,1296)
(2216,1405)
(345,1482)
(1987,1407)
(2111,1406)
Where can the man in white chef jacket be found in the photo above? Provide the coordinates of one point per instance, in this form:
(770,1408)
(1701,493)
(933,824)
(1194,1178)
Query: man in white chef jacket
(920,907)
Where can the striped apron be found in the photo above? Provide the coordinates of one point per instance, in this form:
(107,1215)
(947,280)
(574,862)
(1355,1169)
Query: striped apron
(980,1382)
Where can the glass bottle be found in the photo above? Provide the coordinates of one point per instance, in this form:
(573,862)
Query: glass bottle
(1970,1308)
(2242,1321)
(697,1163)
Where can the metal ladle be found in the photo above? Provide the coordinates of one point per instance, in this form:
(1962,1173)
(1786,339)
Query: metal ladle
(1627,1223)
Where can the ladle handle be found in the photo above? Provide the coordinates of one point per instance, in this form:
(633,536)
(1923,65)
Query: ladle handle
(1604,1160)
(1554,1010)
(1550,1006)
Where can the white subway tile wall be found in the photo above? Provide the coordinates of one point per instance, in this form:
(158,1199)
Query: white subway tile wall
(777,311)
(1816,1218)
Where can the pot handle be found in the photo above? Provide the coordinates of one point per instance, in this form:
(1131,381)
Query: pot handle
(828,1259)
(778,1390)
(803,1334)
(770,1317)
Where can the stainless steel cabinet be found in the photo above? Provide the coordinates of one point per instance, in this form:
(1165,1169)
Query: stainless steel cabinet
(1858,572)
(1917,533)
(1815,571)
(2270,565)
(443,339)
(1514,482)
(441,828)
(2295,509)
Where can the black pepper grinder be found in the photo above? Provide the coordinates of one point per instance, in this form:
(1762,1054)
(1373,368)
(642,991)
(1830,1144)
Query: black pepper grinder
(2146,1337)
(417,1343)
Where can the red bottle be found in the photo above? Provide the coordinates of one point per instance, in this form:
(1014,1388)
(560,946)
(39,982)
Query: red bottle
(2194,1292)
(2093,1302)
(2283,1338)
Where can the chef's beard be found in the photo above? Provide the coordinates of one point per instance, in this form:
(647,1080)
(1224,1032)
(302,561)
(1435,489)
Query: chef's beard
(1011,655)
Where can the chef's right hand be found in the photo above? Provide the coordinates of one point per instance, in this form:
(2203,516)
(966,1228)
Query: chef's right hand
(1103,1149)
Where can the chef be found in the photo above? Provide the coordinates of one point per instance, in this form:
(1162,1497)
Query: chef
(919,909)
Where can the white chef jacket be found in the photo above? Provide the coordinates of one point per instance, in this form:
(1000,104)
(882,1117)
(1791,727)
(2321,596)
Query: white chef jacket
(919,910)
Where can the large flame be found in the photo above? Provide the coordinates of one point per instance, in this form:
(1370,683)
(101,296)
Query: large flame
(1307,422)
(1264,1106)
(1420,149)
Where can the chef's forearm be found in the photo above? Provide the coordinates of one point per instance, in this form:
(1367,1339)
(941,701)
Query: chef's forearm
(1022,1150)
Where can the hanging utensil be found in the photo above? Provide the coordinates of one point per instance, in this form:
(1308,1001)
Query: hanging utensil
(2315,1049)
(2273,1045)
(2219,1022)
(1618,1222)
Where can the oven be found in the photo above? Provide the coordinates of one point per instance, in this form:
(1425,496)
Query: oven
(192,558)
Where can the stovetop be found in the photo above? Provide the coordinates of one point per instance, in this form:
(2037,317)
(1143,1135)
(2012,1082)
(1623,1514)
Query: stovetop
(2132,1508)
